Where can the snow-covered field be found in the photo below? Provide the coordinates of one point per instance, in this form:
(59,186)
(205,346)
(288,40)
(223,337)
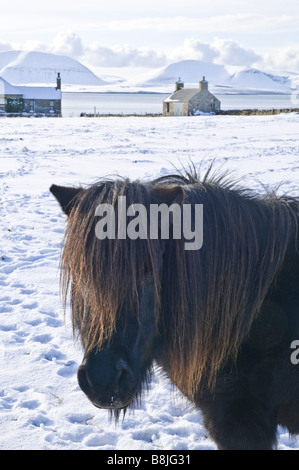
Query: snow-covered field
(41,405)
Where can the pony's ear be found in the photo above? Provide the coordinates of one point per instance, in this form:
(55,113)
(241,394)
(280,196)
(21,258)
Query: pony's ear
(169,194)
(66,196)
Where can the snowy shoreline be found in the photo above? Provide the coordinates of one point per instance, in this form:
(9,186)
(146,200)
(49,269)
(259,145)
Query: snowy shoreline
(228,112)
(41,405)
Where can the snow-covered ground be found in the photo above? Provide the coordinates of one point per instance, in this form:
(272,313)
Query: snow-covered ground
(41,405)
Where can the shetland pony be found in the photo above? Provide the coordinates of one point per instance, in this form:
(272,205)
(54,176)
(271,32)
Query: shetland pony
(220,321)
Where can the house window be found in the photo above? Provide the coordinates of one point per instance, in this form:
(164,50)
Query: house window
(51,104)
(167,107)
(31,105)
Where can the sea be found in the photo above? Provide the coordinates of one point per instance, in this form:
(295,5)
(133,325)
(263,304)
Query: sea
(76,103)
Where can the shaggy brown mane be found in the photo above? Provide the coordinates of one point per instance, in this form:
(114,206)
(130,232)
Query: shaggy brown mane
(206,300)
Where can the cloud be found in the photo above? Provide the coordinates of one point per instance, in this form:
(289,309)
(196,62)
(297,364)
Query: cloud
(67,43)
(33,46)
(231,53)
(64,43)
(5,46)
(220,51)
(286,58)
(123,56)
(194,49)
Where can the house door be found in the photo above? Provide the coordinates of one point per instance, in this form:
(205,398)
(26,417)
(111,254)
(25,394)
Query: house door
(178,109)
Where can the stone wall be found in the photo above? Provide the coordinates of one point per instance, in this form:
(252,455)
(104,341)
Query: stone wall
(204,102)
(48,107)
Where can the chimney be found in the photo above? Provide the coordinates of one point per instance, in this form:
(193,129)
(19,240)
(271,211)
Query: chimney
(58,82)
(203,84)
(179,85)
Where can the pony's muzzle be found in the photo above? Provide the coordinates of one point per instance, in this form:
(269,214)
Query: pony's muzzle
(114,396)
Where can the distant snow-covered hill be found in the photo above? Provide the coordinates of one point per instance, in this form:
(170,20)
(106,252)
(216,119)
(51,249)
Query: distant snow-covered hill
(22,68)
(251,78)
(221,78)
(190,71)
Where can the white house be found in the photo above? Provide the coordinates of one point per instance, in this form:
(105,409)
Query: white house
(190,101)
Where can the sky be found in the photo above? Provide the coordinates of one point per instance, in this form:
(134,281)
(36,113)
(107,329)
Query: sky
(149,34)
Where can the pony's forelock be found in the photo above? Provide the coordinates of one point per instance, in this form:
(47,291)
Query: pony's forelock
(103,276)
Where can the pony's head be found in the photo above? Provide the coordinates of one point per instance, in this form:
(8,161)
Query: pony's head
(143,297)
(114,286)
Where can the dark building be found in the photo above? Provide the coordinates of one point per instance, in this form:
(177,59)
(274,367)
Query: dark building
(30,100)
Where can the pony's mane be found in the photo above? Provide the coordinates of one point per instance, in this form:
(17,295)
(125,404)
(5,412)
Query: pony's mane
(206,300)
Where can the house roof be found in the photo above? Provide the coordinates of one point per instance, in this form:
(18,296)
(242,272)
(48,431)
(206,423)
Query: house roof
(29,92)
(40,93)
(182,96)
(8,89)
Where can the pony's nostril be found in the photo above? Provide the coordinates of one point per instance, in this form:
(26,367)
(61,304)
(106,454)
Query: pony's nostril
(124,373)
(82,379)
(123,366)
